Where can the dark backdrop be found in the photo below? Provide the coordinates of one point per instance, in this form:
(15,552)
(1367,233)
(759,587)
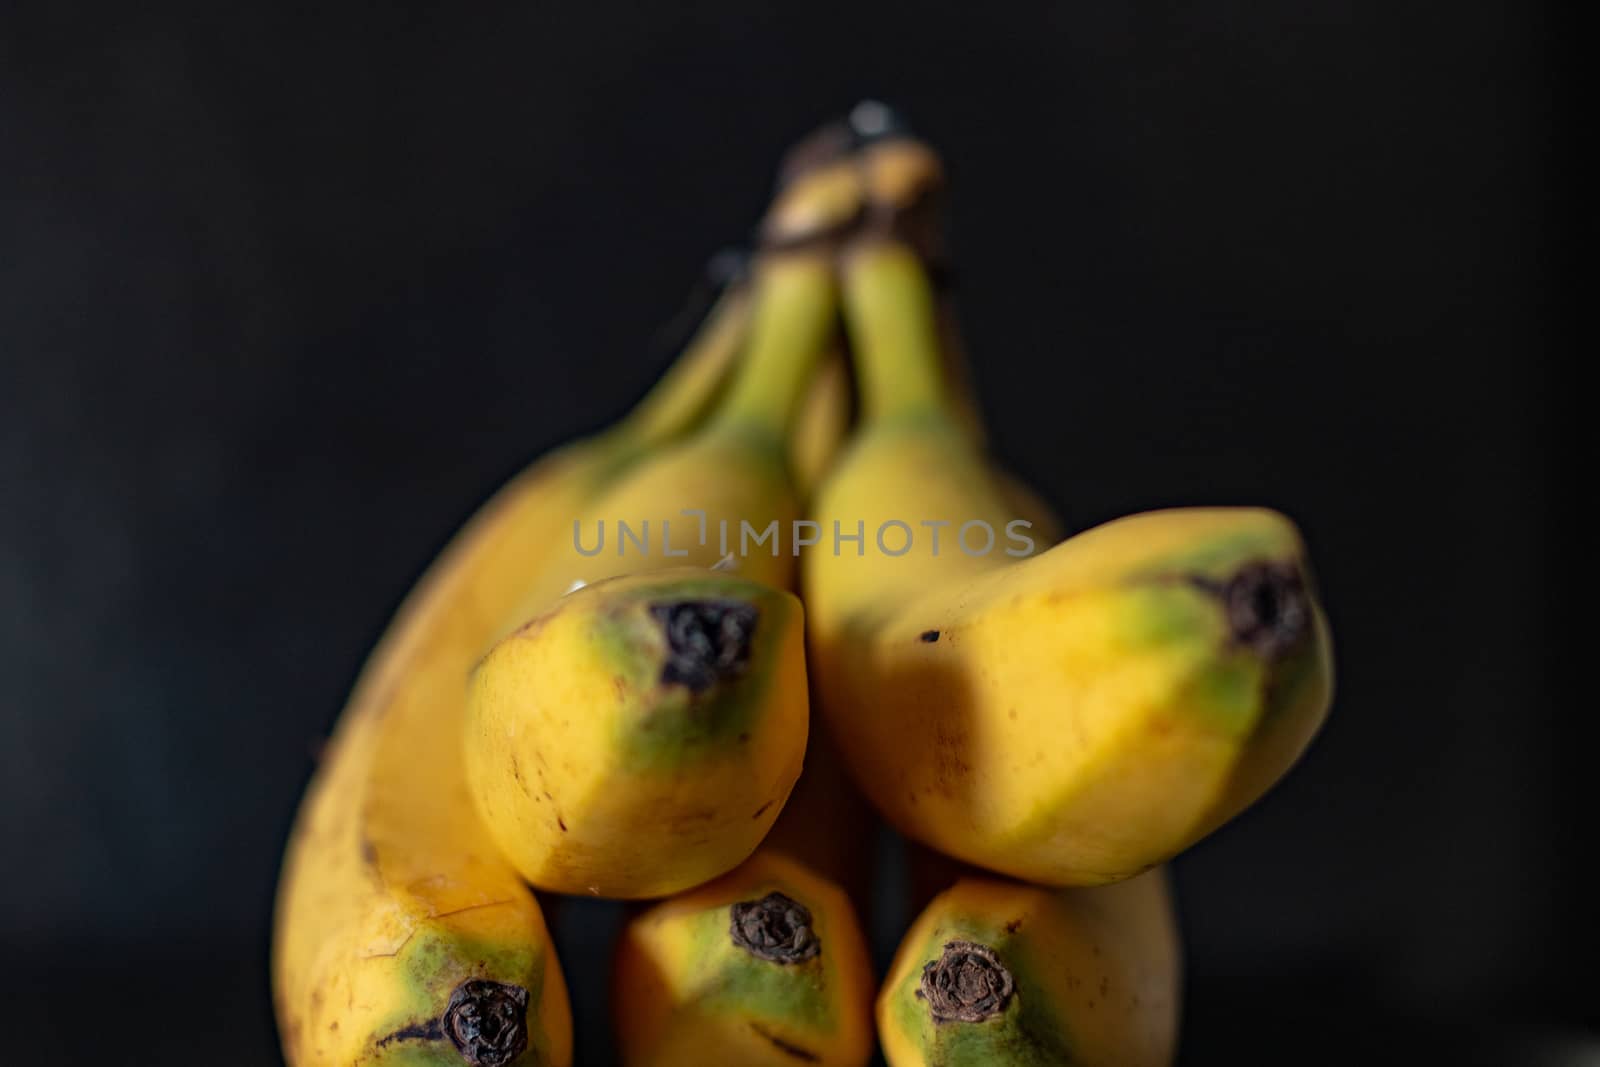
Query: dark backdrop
(283,295)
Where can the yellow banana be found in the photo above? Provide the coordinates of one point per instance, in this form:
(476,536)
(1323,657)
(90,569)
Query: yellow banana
(641,736)
(723,492)
(764,966)
(401,936)
(996,972)
(1073,718)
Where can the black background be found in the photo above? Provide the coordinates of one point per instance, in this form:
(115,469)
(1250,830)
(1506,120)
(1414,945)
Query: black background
(284,294)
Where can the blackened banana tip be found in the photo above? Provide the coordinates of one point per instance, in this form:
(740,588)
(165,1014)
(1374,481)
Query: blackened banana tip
(968,983)
(1268,607)
(708,641)
(487,1022)
(776,928)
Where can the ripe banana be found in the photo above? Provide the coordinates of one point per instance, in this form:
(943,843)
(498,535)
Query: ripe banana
(1073,718)
(765,966)
(400,935)
(640,737)
(597,822)
(996,972)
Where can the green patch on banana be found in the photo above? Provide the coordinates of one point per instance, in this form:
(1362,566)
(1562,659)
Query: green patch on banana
(416,1034)
(1170,619)
(1025,1033)
(1229,693)
(677,725)
(734,981)
(1215,560)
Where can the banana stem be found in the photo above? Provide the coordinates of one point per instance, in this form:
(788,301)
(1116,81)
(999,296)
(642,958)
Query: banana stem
(792,323)
(893,323)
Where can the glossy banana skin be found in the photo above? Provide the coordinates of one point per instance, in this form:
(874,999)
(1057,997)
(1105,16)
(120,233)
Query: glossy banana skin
(688,990)
(642,735)
(392,897)
(1072,717)
(997,972)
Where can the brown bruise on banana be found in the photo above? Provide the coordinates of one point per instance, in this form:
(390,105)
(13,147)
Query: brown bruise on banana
(776,928)
(708,641)
(485,1021)
(966,984)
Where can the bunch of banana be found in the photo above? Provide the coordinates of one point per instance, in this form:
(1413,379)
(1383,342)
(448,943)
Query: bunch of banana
(606,686)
